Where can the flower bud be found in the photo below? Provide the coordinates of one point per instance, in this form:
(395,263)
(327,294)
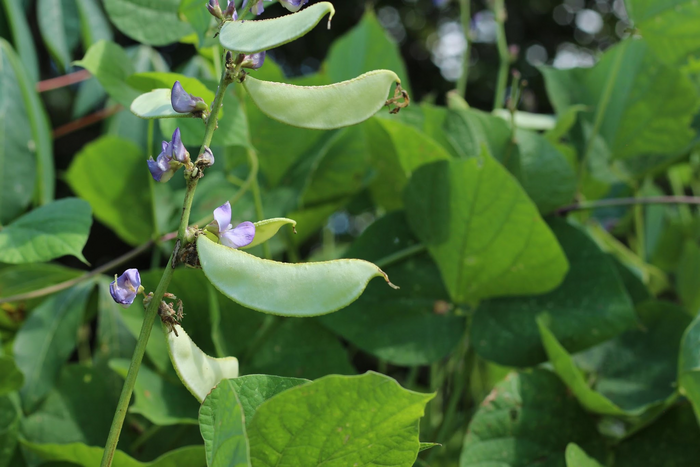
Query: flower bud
(215,9)
(230,14)
(293,5)
(257,6)
(185,103)
(172,157)
(253,61)
(125,287)
(206,159)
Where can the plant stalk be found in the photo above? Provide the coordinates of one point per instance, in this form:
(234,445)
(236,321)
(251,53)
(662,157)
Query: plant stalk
(465,15)
(499,11)
(152,309)
(605,203)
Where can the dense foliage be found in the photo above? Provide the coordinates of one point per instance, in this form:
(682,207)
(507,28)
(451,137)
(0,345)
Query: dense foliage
(343,279)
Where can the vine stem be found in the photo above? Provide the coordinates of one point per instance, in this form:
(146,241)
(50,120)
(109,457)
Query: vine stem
(152,309)
(465,15)
(605,203)
(499,11)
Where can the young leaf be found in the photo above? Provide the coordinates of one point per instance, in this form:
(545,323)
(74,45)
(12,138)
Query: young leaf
(47,339)
(577,457)
(253,390)
(482,230)
(222,424)
(257,35)
(152,23)
(284,289)
(527,419)
(90,456)
(266,229)
(158,400)
(121,202)
(57,229)
(323,107)
(339,420)
(198,371)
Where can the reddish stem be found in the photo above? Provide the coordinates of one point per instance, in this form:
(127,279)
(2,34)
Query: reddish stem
(85,121)
(62,81)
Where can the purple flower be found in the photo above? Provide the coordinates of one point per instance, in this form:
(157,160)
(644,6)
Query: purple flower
(237,237)
(185,103)
(256,8)
(293,5)
(169,160)
(214,9)
(125,288)
(230,13)
(254,61)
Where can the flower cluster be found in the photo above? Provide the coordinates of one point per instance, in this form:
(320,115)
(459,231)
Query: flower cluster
(171,158)
(229,14)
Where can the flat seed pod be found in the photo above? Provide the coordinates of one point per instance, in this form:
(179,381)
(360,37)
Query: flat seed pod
(266,229)
(285,289)
(198,371)
(155,104)
(258,35)
(323,107)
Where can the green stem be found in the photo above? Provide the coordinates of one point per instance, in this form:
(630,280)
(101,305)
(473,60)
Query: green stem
(400,255)
(499,10)
(255,189)
(605,203)
(152,309)
(465,15)
(640,230)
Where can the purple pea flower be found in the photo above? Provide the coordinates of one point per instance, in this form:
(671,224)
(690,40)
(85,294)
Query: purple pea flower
(185,103)
(169,160)
(256,8)
(215,9)
(230,13)
(125,287)
(206,159)
(253,61)
(236,237)
(293,5)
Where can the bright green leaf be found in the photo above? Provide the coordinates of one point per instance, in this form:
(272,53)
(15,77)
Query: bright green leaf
(11,378)
(323,107)
(253,390)
(309,289)
(198,17)
(339,421)
(59,26)
(47,339)
(482,230)
(577,457)
(198,371)
(111,174)
(110,64)
(403,327)
(257,35)
(147,21)
(222,424)
(51,231)
(505,330)
(468,130)
(161,402)
(528,419)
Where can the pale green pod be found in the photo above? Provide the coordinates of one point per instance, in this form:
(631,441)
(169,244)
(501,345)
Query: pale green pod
(198,371)
(266,229)
(155,104)
(258,35)
(323,107)
(307,289)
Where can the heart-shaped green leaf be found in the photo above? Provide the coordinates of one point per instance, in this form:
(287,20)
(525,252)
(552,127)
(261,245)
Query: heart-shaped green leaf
(258,35)
(284,289)
(323,107)
(56,229)
(198,371)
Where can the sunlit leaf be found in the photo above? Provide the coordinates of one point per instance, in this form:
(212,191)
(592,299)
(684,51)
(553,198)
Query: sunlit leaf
(253,390)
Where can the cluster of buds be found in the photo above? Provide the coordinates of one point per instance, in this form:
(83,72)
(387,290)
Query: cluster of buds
(291,5)
(229,14)
(172,157)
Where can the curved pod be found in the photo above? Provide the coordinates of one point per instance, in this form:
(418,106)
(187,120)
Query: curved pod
(323,107)
(258,35)
(285,289)
(266,229)
(198,371)
(155,104)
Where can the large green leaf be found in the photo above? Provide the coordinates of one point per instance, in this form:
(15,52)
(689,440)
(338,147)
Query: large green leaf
(669,26)
(339,421)
(161,402)
(670,442)
(47,339)
(22,38)
(56,229)
(89,456)
(689,365)
(623,386)
(11,378)
(9,430)
(111,174)
(365,48)
(110,64)
(222,424)
(482,230)
(468,130)
(400,326)
(646,107)
(17,164)
(258,35)
(253,390)
(528,419)
(60,28)
(148,21)
(505,331)
(301,348)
